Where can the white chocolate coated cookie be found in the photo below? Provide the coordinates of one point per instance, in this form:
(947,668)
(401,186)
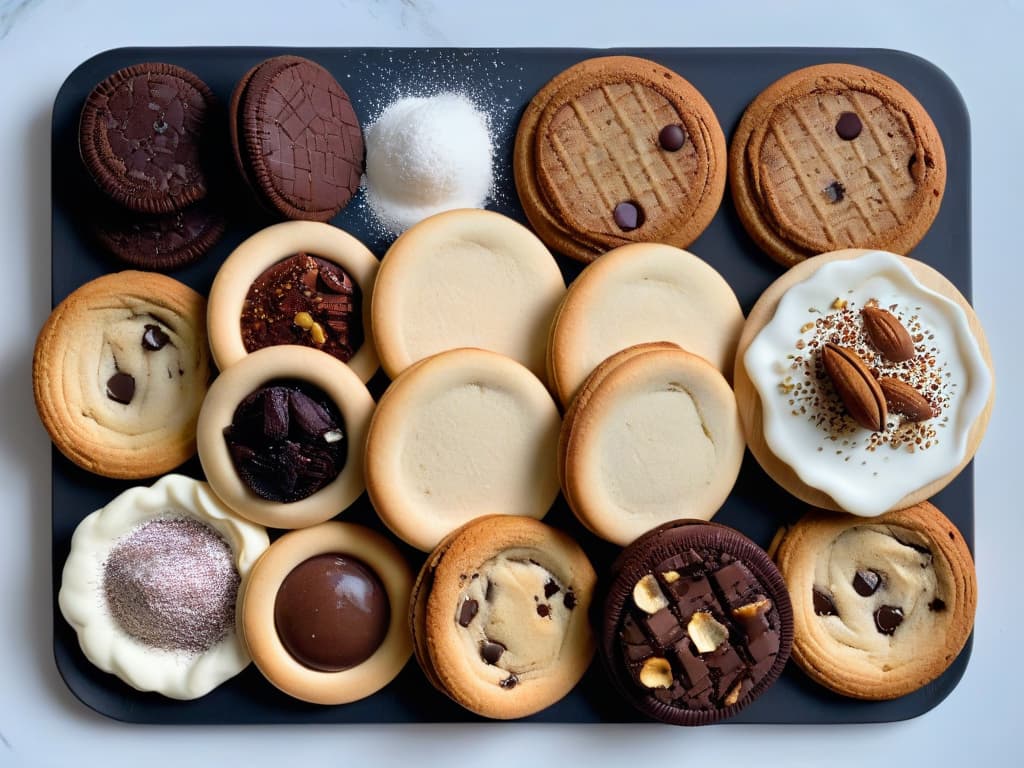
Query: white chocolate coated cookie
(653,435)
(465,278)
(500,616)
(639,293)
(881,607)
(181,672)
(461,434)
(120,370)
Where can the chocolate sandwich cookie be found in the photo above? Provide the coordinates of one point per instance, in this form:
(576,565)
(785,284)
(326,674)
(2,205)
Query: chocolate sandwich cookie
(618,150)
(160,241)
(323,613)
(697,623)
(281,436)
(836,156)
(296,138)
(882,607)
(141,137)
(119,373)
(298,282)
(499,616)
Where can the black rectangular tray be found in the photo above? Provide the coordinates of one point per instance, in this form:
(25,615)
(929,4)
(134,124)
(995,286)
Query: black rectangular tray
(503,81)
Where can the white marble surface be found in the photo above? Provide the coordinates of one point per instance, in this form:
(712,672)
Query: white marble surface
(41,41)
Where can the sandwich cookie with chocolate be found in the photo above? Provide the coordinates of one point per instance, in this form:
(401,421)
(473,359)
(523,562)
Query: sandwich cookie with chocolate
(653,433)
(617,150)
(836,156)
(119,373)
(636,294)
(697,623)
(881,607)
(499,616)
(461,434)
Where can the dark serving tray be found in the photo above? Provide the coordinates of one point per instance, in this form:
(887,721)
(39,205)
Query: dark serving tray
(502,81)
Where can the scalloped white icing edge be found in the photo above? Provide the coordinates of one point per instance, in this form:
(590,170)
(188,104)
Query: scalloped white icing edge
(106,645)
(795,441)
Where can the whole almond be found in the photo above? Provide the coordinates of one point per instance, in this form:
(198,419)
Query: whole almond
(856,387)
(905,400)
(888,334)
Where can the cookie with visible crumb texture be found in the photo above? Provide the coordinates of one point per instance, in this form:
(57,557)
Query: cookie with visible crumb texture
(500,616)
(836,156)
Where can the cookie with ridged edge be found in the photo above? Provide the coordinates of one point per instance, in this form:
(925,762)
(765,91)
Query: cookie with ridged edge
(296,138)
(686,671)
(500,616)
(836,156)
(120,371)
(141,136)
(160,241)
(882,607)
(655,434)
(592,139)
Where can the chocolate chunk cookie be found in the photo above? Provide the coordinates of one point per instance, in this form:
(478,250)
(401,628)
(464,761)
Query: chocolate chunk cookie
(836,156)
(141,135)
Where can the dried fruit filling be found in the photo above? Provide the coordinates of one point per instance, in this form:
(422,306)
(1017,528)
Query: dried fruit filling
(287,441)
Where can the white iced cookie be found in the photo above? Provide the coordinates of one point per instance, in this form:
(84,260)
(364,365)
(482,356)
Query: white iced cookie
(653,435)
(640,293)
(864,381)
(465,278)
(459,435)
(151,583)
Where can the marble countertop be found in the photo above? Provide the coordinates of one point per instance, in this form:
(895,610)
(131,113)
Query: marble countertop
(41,41)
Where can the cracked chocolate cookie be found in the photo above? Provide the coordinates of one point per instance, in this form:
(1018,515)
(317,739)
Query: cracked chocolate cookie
(882,606)
(697,623)
(119,373)
(499,616)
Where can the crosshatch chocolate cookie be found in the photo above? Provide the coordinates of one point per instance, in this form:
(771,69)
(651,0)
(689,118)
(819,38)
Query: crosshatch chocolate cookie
(296,138)
(640,293)
(160,241)
(653,434)
(617,150)
(499,616)
(461,434)
(323,613)
(836,156)
(697,623)
(119,372)
(882,607)
(141,136)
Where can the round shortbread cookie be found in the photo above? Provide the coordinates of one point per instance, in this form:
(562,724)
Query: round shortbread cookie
(655,437)
(465,278)
(893,462)
(220,409)
(259,612)
(461,434)
(119,374)
(274,244)
(881,607)
(500,616)
(638,293)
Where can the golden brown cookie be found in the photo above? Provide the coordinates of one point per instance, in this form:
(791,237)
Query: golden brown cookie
(119,373)
(798,421)
(500,616)
(617,150)
(881,607)
(836,156)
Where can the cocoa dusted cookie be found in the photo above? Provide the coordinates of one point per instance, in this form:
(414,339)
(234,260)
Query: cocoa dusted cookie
(141,137)
(697,623)
(618,150)
(296,138)
(881,607)
(499,616)
(836,156)
(160,241)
